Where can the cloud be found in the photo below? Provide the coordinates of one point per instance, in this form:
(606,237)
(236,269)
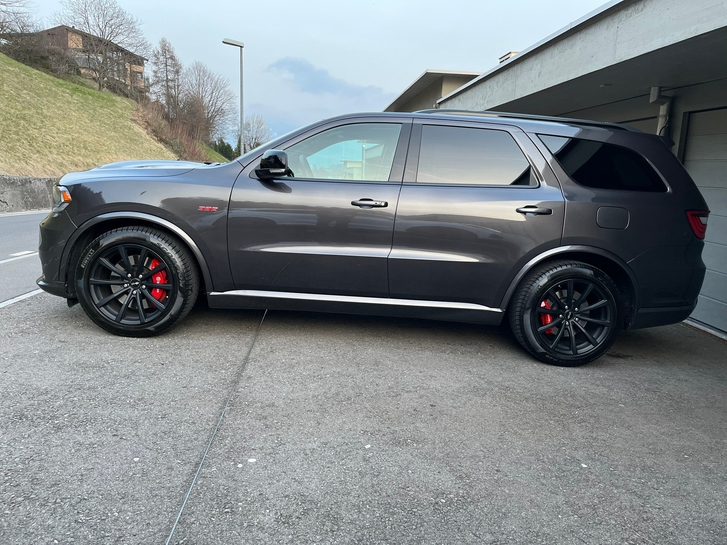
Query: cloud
(297,93)
(317,81)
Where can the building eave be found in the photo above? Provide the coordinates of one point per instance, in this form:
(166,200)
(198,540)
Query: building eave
(576,26)
(428,77)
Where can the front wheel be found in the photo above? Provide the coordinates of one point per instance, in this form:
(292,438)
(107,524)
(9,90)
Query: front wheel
(566,313)
(136,281)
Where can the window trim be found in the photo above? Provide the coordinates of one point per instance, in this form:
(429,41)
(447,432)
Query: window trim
(397,168)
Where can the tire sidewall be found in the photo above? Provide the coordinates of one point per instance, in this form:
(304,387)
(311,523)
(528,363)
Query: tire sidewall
(545,281)
(154,242)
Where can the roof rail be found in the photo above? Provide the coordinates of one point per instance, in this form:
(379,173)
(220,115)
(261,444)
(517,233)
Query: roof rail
(533,117)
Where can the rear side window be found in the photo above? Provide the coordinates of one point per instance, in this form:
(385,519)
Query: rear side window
(604,166)
(461,155)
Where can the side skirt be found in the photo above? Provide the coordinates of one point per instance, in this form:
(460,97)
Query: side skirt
(346,304)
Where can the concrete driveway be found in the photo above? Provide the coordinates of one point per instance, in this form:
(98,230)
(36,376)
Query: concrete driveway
(342,429)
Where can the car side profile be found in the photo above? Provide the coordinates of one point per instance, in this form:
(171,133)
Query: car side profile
(570,230)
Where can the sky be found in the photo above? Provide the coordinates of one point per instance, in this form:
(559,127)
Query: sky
(309,60)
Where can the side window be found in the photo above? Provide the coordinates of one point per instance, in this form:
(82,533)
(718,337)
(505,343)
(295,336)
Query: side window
(363,151)
(461,155)
(603,166)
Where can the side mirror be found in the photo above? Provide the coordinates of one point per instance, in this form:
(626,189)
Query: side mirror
(273,164)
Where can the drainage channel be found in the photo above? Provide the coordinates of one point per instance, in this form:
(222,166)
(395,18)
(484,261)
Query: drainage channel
(240,372)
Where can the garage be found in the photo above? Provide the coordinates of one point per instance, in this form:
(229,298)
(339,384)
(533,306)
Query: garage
(705,157)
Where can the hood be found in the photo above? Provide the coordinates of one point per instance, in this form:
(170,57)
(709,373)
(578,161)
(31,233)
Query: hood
(155,164)
(136,169)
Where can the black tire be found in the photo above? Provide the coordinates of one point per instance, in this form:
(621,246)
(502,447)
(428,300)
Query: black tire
(136,281)
(566,313)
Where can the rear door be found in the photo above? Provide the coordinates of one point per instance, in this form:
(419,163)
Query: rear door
(328,229)
(476,204)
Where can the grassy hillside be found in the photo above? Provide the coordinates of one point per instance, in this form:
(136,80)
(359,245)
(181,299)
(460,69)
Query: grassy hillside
(49,127)
(212,155)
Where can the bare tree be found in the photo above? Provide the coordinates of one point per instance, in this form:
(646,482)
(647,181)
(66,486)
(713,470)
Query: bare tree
(14,16)
(167,78)
(208,102)
(193,119)
(18,38)
(257,132)
(111,26)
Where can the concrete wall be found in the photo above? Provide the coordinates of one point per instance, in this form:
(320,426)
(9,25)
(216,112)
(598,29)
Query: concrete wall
(426,99)
(19,194)
(451,83)
(622,32)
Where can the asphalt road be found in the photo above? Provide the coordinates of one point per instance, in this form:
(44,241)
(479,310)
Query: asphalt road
(307,428)
(19,264)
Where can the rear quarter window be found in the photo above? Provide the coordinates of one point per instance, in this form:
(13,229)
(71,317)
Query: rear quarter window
(604,166)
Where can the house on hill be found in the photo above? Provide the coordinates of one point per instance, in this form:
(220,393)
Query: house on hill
(97,58)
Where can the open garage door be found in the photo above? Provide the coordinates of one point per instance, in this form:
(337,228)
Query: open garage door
(705,158)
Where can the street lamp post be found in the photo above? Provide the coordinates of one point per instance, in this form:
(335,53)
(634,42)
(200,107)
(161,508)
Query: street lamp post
(235,43)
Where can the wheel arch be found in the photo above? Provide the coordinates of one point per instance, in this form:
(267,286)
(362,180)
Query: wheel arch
(113,220)
(616,268)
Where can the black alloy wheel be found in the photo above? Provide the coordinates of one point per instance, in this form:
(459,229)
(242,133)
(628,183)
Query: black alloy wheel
(136,281)
(566,313)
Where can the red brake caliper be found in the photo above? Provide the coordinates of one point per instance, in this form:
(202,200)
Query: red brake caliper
(546,319)
(158,278)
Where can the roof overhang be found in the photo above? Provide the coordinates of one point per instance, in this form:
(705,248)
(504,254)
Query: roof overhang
(423,82)
(617,52)
(691,62)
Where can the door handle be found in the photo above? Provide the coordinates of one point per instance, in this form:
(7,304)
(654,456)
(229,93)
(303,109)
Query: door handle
(535,210)
(369,203)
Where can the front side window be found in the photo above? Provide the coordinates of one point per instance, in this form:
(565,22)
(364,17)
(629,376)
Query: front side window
(603,166)
(462,155)
(362,151)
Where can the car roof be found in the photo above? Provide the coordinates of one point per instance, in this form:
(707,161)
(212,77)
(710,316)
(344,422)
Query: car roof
(507,116)
(527,122)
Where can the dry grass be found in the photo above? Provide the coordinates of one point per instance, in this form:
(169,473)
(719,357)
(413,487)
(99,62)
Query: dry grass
(174,137)
(49,127)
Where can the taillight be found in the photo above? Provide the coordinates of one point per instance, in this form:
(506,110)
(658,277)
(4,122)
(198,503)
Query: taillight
(698,221)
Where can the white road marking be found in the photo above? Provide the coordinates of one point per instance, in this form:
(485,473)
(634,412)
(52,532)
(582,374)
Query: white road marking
(26,213)
(19,298)
(19,257)
(24,252)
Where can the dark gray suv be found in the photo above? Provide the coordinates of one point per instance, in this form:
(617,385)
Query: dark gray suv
(571,230)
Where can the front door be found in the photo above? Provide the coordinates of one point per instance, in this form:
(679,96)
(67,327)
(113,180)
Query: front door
(327,229)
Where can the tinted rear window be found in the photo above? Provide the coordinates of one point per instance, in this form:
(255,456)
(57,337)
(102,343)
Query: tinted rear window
(462,155)
(604,166)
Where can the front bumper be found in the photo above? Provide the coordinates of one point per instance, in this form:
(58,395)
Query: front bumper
(55,231)
(54,288)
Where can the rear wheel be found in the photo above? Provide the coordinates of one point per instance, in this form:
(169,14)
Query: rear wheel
(136,281)
(566,313)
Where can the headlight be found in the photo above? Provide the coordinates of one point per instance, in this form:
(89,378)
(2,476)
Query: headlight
(61,197)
